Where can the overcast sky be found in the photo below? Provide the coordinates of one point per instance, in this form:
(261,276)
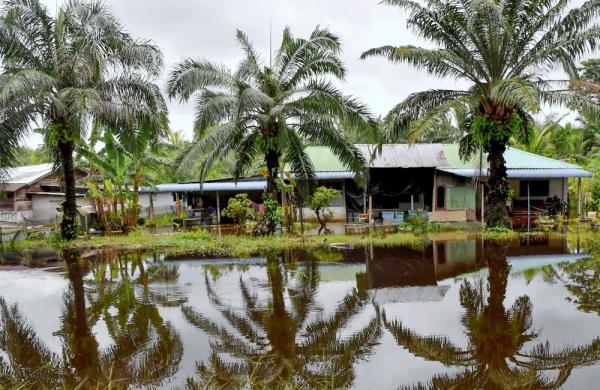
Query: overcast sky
(206,29)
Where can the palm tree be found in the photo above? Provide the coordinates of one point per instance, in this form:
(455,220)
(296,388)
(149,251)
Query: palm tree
(70,69)
(503,49)
(495,356)
(279,346)
(271,110)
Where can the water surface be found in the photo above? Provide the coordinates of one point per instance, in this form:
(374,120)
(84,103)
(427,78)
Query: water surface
(458,313)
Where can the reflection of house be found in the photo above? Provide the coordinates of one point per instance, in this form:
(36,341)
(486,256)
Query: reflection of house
(33,192)
(406,275)
(428,177)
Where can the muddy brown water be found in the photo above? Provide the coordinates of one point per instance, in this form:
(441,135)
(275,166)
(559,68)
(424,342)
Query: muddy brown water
(458,313)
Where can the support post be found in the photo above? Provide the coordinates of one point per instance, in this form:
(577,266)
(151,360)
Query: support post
(370,209)
(578,198)
(482,203)
(433,195)
(528,207)
(218,208)
(412,201)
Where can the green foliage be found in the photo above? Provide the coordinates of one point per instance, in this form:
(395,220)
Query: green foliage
(74,69)
(69,228)
(417,224)
(240,209)
(590,70)
(270,112)
(319,202)
(484,131)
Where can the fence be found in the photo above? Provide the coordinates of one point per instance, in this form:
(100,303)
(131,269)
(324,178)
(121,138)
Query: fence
(15,216)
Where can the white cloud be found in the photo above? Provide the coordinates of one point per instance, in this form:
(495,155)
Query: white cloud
(203,28)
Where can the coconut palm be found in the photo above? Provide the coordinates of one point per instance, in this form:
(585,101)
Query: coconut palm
(503,50)
(69,69)
(278,346)
(497,355)
(271,110)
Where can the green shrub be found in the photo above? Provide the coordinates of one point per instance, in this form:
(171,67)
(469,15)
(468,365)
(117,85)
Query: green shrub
(319,202)
(240,209)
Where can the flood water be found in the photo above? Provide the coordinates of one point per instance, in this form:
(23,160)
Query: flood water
(459,313)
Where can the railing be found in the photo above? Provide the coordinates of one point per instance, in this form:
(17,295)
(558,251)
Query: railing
(15,216)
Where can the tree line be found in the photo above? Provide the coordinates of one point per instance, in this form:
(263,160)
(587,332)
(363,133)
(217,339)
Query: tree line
(78,78)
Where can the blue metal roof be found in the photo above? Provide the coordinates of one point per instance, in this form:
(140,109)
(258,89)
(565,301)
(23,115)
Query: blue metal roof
(540,173)
(224,186)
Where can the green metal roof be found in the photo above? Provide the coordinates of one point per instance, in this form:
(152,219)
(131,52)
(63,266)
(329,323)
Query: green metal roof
(324,160)
(515,159)
(446,156)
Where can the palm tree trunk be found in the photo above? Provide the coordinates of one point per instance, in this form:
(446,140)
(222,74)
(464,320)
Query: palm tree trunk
(68,226)
(152,213)
(272,160)
(498,190)
(136,198)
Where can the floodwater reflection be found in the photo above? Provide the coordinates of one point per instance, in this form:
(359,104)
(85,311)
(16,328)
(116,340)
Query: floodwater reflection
(462,314)
(278,344)
(495,356)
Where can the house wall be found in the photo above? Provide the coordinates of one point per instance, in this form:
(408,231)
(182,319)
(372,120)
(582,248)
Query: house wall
(557,187)
(163,203)
(45,206)
(446,213)
(339,214)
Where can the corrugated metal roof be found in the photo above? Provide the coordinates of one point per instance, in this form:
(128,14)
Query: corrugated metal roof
(324,160)
(406,155)
(254,185)
(27,174)
(209,187)
(540,173)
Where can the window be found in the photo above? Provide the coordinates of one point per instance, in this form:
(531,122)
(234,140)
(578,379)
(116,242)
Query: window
(536,188)
(440,198)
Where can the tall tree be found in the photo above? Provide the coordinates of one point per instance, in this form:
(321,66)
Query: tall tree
(271,110)
(504,50)
(69,69)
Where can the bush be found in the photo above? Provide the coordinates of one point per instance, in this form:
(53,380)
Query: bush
(141,221)
(240,209)
(319,202)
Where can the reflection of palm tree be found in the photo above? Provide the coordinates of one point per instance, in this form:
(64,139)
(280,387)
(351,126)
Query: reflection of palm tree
(277,345)
(145,350)
(494,356)
(582,279)
(27,360)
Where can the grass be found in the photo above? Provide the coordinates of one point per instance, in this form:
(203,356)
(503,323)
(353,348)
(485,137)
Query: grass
(203,243)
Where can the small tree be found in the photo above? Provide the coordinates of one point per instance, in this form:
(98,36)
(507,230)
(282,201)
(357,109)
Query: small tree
(320,202)
(240,209)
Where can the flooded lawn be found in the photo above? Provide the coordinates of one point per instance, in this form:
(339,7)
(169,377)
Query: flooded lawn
(459,313)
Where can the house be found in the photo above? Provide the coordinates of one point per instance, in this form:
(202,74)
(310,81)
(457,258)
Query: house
(430,178)
(32,192)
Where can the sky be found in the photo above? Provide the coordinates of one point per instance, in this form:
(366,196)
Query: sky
(206,29)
